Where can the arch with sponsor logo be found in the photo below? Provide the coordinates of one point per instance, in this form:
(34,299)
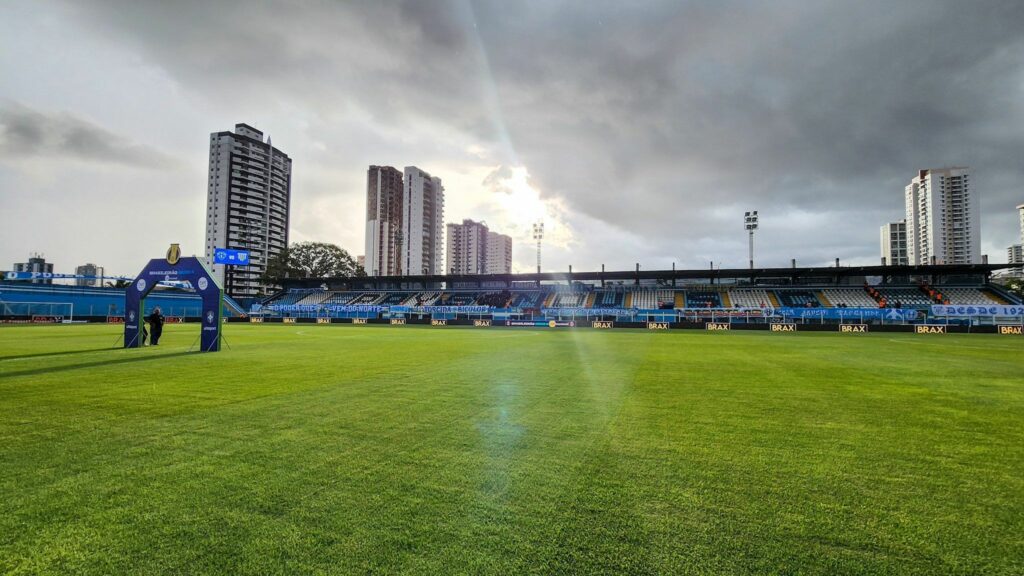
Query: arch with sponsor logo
(174,268)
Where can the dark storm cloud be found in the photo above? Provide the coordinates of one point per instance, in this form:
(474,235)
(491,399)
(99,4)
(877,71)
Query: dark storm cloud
(650,117)
(27,133)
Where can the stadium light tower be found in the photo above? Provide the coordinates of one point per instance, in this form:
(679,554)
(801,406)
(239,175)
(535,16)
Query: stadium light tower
(538,235)
(750,223)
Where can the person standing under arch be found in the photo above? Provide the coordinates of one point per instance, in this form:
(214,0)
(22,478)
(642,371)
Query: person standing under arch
(156,326)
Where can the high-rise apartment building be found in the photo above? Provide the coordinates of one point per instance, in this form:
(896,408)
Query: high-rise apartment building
(894,243)
(499,254)
(1015,255)
(422,224)
(37,264)
(467,248)
(474,249)
(384,195)
(1020,212)
(89,270)
(247,205)
(943,218)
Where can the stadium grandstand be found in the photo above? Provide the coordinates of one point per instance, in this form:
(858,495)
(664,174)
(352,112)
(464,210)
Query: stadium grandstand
(907,294)
(864,294)
(55,302)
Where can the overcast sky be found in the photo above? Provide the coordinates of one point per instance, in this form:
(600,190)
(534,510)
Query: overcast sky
(639,131)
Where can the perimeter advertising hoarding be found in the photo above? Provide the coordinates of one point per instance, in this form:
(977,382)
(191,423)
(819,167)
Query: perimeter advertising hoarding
(1011,330)
(603,324)
(853,328)
(716,326)
(657,325)
(541,323)
(482,323)
(929,329)
(398,321)
(783,327)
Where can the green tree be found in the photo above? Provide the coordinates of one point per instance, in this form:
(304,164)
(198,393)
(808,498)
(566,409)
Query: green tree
(311,260)
(1015,285)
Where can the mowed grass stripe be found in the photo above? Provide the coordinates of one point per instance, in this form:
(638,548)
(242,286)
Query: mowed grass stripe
(349,449)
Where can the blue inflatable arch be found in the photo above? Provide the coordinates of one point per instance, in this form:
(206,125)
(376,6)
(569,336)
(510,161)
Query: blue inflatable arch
(175,269)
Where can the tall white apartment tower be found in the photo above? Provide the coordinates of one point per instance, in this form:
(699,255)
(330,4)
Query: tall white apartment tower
(422,223)
(247,205)
(894,243)
(383,221)
(1015,253)
(943,218)
(475,249)
(499,254)
(467,248)
(1020,212)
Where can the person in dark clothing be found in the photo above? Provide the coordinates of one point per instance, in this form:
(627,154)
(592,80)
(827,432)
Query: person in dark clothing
(156,326)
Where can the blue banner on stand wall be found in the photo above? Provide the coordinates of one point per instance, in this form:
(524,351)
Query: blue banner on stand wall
(843,314)
(968,311)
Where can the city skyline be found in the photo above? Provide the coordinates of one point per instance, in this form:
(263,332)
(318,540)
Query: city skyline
(631,151)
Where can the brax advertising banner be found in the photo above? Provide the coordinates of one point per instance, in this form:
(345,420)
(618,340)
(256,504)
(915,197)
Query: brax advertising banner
(851,314)
(174,269)
(967,311)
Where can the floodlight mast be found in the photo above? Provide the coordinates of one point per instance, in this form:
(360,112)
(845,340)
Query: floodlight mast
(750,223)
(538,235)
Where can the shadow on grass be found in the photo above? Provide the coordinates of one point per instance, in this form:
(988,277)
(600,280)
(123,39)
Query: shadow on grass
(68,353)
(38,371)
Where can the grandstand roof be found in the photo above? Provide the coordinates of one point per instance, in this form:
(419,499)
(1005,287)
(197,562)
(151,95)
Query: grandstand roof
(709,274)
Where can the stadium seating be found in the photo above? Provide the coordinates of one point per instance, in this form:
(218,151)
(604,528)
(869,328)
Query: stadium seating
(367,298)
(339,298)
(652,298)
(750,298)
(609,299)
(569,299)
(494,299)
(421,299)
(294,296)
(905,296)
(394,298)
(849,297)
(798,298)
(703,299)
(527,299)
(665,299)
(456,299)
(967,297)
(314,298)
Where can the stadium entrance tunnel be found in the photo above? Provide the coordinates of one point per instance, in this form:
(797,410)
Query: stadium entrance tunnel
(175,269)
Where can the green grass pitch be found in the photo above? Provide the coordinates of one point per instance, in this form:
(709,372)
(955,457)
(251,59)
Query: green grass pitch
(308,449)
